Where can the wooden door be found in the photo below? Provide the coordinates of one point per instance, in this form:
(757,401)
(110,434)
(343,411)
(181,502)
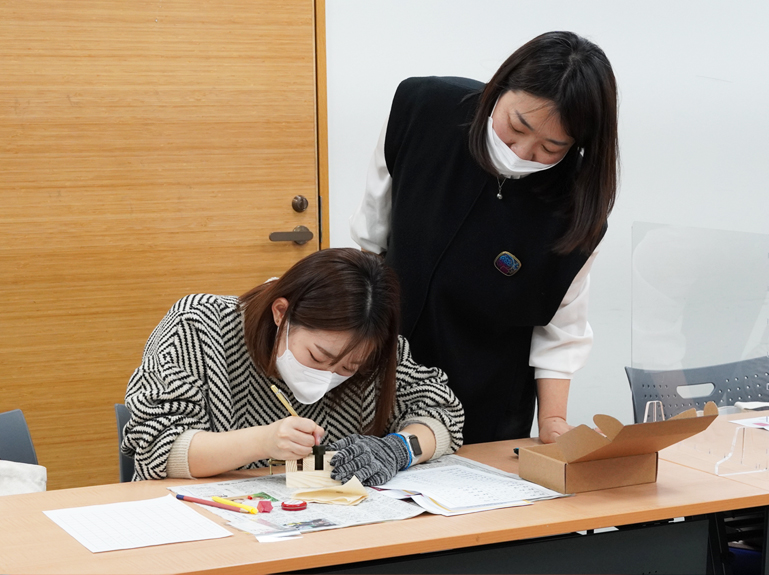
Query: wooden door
(147,151)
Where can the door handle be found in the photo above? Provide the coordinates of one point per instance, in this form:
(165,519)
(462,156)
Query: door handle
(300,236)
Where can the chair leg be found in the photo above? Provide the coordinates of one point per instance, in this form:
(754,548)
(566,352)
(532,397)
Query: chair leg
(765,548)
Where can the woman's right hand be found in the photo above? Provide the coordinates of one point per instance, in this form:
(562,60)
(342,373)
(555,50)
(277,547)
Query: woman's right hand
(292,438)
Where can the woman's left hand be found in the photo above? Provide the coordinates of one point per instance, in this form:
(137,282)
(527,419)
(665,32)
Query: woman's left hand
(374,460)
(552,427)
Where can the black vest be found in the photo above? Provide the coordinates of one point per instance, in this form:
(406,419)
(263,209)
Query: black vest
(459,312)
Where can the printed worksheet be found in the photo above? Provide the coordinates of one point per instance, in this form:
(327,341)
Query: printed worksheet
(452,485)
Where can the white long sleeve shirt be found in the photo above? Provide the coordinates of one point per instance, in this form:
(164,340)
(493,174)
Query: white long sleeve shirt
(558,349)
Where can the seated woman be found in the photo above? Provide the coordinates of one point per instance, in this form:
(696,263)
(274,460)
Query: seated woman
(326,334)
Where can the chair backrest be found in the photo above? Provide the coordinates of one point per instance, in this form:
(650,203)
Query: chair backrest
(15,440)
(746,380)
(126,462)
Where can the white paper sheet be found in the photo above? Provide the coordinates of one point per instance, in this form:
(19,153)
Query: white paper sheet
(433,506)
(133,524)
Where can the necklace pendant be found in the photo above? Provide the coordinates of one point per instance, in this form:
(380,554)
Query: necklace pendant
(500,183)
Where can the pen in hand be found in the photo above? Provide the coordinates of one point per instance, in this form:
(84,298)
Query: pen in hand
(283,400)
(290,409)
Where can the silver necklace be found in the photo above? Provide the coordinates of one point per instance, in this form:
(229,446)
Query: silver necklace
(500,183)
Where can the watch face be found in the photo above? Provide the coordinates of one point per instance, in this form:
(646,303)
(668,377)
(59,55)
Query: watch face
(415,447)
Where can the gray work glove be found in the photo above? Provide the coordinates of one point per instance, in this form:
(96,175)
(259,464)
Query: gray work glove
(373,460)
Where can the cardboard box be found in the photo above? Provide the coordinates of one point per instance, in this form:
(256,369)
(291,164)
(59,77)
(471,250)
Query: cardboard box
(584,460)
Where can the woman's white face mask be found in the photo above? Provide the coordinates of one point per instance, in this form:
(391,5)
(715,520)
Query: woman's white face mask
(506,162)
(307,384)
(526,124)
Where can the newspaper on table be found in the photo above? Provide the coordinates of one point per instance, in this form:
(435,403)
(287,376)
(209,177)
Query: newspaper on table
(454,485)
(278,523)
(450,485)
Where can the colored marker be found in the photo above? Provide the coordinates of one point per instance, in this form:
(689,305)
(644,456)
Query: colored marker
(211,503)
(224,501)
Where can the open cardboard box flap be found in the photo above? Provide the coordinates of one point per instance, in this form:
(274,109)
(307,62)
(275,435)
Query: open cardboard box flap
(584,460)
(585,444)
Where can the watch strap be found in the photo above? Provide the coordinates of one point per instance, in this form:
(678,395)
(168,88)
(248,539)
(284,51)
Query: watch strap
(402,439)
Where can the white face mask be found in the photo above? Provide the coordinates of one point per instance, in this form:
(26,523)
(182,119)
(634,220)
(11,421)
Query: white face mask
(505,160)
(306,383)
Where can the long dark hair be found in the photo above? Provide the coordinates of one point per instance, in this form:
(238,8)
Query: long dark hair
(340,289)
(575,75)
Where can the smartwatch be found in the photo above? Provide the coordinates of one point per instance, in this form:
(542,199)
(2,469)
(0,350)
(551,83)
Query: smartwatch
(413,443)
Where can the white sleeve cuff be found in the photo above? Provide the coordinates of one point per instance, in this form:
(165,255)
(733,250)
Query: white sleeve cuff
(548,374)
(561,347)
(559,354)
(178,466)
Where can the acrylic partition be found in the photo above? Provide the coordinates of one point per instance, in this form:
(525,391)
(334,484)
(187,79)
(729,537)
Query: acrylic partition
(700,297)
(700,327)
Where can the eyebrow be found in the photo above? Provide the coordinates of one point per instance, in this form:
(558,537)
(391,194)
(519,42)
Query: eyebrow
(525,123)
(330,355)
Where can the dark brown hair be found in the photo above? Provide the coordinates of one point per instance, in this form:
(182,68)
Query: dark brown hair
(341,289)
(576,76)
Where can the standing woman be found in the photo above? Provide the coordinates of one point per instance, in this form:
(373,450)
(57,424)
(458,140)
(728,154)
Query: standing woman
(489,202)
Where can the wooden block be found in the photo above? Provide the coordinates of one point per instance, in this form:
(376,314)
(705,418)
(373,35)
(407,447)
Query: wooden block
(308,477)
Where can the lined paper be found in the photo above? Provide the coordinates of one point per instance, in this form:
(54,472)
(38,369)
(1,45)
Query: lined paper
(133,524)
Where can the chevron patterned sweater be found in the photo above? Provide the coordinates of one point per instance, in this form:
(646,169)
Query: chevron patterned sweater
(197,374)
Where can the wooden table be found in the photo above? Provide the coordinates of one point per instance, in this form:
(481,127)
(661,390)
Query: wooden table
(32,543)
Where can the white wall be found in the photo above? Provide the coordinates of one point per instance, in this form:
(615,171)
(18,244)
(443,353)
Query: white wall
(694,128)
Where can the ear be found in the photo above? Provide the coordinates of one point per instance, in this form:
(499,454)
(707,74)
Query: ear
(279,307)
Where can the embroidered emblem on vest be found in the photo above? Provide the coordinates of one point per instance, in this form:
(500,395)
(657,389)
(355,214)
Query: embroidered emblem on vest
(507,263)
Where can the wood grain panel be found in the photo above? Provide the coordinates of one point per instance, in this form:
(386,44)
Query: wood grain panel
(147,150)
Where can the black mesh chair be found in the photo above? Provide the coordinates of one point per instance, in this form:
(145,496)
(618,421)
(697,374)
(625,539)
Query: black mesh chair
(126,463)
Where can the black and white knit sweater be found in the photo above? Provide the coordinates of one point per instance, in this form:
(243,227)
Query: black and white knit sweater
(197,374)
